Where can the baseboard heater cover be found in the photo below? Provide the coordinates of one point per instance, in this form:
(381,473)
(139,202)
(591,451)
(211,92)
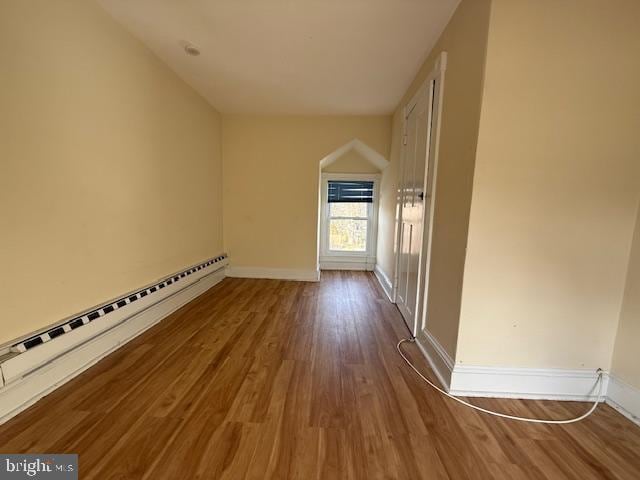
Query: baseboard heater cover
(33,352)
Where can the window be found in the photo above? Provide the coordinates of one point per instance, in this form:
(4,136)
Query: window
(348,214)
(349,205)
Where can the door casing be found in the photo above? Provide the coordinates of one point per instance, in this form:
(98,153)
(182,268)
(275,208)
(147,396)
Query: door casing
(435,78)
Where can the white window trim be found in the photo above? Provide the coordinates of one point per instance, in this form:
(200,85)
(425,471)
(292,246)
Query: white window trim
(332,260)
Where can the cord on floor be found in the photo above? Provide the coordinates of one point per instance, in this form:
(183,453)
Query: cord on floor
(599,383)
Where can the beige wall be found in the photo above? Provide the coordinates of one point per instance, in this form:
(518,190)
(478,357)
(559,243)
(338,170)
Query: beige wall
(270,160)
(464,39)
(626,353)
(351,162)
(110,164)
(556,185)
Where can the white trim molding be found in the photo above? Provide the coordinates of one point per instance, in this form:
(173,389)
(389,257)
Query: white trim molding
(301,275)
(35,376)
(347,263)
(344,260)
(427,100)
(527,383)
(384,281)
(624,398)
(439,360)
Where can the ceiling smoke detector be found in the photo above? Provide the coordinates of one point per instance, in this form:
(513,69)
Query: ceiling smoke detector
(191,49)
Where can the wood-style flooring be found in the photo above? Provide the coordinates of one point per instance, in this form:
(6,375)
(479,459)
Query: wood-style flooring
(270,379)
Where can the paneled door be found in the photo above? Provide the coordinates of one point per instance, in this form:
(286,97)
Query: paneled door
(415,190)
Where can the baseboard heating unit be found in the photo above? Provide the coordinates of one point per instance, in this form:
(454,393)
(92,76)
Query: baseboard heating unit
(32,367)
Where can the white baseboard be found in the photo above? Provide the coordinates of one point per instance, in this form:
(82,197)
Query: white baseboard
(24,392)
(439,360)
(624,398)
(356,266)
(528,383)
(274,273)
(384,281)
(347,262)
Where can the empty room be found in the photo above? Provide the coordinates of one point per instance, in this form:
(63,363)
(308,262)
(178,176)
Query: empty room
(303,239)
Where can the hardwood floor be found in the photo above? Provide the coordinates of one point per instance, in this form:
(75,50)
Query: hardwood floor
(271,379)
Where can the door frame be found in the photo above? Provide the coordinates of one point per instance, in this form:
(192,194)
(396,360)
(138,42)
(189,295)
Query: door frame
(424,259)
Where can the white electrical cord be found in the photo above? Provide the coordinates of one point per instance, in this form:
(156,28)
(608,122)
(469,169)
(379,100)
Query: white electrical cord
(503,415)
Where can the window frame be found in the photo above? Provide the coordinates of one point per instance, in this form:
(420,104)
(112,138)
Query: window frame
(336,259)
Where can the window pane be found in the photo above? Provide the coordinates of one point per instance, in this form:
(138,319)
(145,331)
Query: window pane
(348,235)
(348,209)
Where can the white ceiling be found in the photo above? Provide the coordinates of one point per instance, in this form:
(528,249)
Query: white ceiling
(291,56)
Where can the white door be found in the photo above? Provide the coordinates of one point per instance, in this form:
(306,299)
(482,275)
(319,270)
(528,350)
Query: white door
(415,188)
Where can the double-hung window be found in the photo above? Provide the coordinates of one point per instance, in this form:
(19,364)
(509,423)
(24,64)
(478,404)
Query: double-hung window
(348,221)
